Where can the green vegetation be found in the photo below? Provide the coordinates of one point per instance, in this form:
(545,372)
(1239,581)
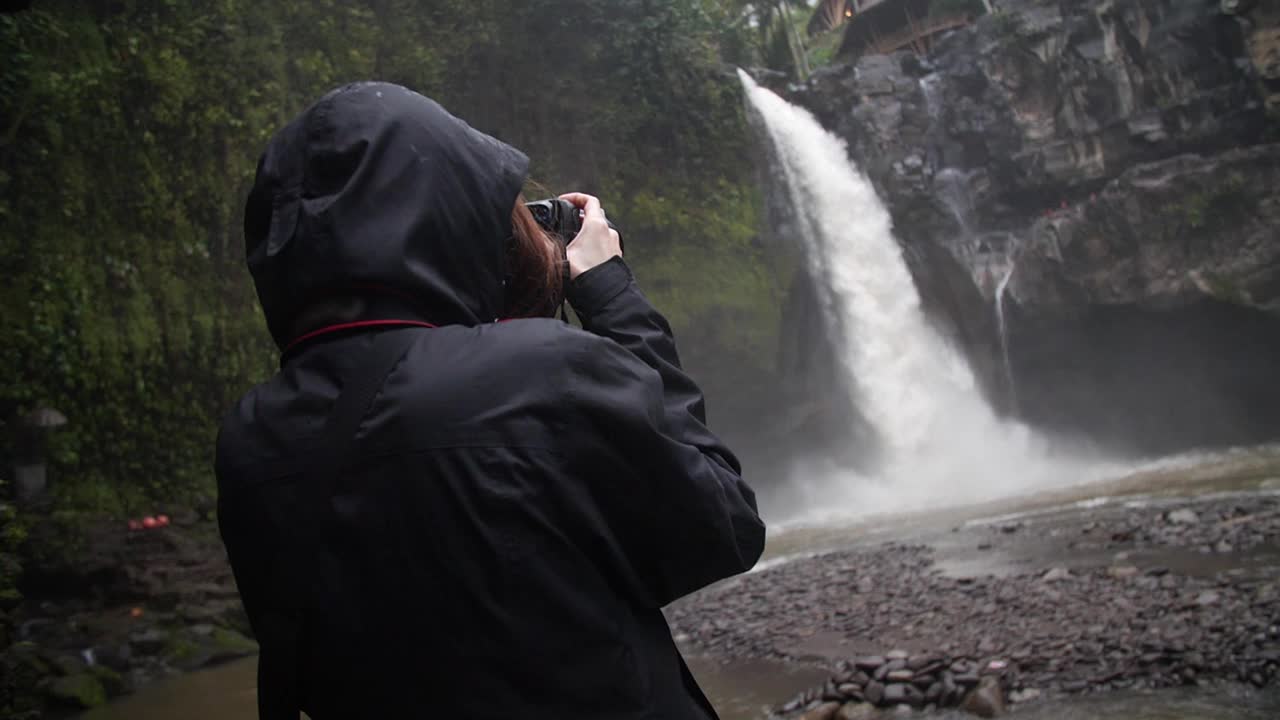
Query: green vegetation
(1226,290)
(12,534)
(83,690)
(21,671)
(129,133)
(770,33)
(1218,205)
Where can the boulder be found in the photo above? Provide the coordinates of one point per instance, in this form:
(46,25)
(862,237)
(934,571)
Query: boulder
(986,700)
(825,711)
(1056,575)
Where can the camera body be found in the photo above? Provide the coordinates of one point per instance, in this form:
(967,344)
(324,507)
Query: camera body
(561,218)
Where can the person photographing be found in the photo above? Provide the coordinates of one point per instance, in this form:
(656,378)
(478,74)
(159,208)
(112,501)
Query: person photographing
(446,502)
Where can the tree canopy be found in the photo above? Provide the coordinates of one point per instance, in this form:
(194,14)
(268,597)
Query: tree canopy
(129,131)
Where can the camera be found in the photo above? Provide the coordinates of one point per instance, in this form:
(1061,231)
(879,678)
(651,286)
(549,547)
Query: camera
(561,218)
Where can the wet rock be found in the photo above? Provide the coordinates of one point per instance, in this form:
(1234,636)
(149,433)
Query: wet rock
(1025,695)
(1208,597)
(856,711)
(892,666)
(825,711)
(1074,686)
(869,663)
(1183,516)
(149,641)
(915,698)
(951,692)
(895,694)
(933,694)
(874,692)
(117,656)
(900,675)
(1062,633)
(924,663)
(1056,575)
(986,700)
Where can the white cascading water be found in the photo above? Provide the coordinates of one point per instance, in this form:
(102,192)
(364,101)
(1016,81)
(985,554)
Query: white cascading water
(943,444)
(1003,329)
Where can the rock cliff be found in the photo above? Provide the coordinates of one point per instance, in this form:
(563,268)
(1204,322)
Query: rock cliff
(1109,170)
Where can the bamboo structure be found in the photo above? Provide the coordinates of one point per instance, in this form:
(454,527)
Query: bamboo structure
(885,26)
(918,34)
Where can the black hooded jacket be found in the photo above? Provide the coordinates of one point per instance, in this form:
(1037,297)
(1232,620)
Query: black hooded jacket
(519,498)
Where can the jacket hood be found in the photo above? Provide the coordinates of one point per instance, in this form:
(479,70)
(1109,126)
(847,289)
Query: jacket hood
(376,190)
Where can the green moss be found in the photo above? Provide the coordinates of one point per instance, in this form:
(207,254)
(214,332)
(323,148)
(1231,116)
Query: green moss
(229,643)
(112,682)
(709,276)
(13,533)
(83,690)
(180,647)
(1225,289)
(1215,208)
(21,671)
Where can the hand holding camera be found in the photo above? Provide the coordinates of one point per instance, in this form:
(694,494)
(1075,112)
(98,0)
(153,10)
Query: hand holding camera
(578,219)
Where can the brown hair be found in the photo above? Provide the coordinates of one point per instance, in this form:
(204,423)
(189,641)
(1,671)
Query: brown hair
(535,268)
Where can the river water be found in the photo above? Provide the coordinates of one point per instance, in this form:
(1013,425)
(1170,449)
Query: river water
(742,690)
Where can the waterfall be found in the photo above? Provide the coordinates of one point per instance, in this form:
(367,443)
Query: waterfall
(952,187)
(942,443)
(1002,328)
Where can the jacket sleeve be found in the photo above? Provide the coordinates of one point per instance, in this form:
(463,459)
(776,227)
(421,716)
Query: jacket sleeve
(691,519)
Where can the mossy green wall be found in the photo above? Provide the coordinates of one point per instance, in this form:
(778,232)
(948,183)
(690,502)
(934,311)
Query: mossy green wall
(129,133)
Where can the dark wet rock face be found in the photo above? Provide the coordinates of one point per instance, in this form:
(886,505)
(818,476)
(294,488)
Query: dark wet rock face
(1149,379)
(1164,234)
(1112,159)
